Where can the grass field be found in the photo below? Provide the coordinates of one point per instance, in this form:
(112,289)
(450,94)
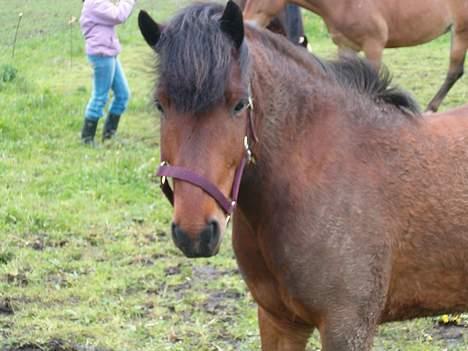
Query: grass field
(86,262)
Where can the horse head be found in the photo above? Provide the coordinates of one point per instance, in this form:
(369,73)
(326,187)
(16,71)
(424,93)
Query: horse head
(203,96)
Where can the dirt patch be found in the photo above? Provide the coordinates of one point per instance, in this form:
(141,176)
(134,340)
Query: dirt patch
(17,278)
(41,241)
(38,244)
(6,307)
(453,335)
(221,301)
(58,280)
(179,290)
(205,274)
(142,260)
(150,237)
(161,234)
(4,331)
(138,220)
(6,256)
(172,270)
(53,345)
(158,256)
(218,302)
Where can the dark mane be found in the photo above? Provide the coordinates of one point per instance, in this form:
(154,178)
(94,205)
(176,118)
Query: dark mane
(195,57)
(356,73)
(351,72)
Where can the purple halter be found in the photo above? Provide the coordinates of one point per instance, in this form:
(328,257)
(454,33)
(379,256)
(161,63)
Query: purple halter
(227,204)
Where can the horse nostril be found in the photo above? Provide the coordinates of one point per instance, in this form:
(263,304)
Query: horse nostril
(210,235)
(174,230)
(182,240)
(214,229)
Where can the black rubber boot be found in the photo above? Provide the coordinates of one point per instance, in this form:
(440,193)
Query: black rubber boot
(89,131)
(110,126)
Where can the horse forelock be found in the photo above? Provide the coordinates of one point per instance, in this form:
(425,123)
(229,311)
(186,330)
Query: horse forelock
(195,58)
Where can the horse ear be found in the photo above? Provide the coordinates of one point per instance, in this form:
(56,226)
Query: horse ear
(149,28)
(232,23)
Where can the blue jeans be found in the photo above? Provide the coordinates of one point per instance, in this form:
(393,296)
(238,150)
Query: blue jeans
(108,74)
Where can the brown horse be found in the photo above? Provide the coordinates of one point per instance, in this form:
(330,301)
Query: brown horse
(370,26)
(288,22)
(352,207)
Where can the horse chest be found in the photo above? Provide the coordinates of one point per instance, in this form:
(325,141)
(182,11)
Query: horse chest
(265,276)
(255,270)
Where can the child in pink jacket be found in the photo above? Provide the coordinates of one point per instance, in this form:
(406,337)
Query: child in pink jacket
(98,21)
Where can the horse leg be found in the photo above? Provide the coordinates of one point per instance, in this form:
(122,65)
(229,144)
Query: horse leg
(373,50)
(345,330)
(277,336)
(455,71)
(344,51)
(350,321)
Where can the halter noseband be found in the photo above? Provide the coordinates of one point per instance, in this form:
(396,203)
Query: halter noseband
(180,173)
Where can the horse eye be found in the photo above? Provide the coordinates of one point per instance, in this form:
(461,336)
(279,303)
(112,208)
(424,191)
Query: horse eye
(239,106)
(159,106)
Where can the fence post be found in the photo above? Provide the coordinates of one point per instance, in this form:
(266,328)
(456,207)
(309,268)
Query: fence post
(20,16)
(70,23)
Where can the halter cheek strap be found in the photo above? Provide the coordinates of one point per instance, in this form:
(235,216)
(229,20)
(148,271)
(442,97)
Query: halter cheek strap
(184,174)
(180,173)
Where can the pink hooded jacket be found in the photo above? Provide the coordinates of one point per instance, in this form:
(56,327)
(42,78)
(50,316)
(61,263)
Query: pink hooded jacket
(98,20)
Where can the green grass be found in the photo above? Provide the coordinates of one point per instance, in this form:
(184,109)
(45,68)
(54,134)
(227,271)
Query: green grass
(85,257)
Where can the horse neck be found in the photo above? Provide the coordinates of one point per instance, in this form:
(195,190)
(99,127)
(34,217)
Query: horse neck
(278,68)
(292,91)
(290,111)
(307,120)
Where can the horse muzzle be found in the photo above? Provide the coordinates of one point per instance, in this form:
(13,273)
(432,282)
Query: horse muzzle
(204,244)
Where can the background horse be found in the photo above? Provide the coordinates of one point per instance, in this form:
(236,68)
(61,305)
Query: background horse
(371,26)
(287,22)
(352,208)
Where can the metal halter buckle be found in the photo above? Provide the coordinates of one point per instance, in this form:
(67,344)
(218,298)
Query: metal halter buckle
(247,149)
(228,217)
(250,105)
(163,178)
